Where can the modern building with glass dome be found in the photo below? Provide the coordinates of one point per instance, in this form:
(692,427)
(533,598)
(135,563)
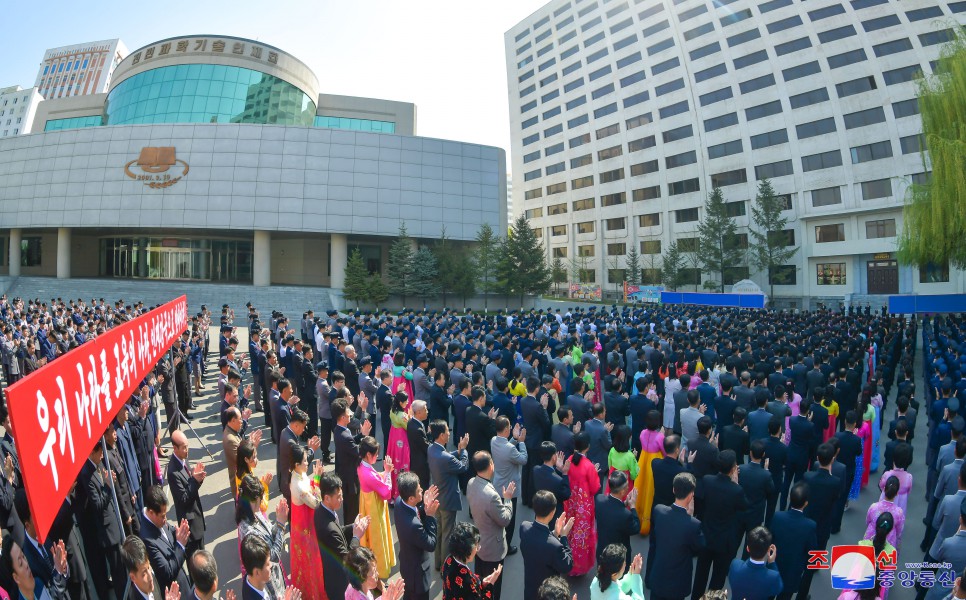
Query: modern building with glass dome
(216,158)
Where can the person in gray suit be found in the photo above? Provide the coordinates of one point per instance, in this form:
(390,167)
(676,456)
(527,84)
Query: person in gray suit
(509,458)
(445,469)
(744,395)
(946,520)
(421,383)
(600,443)
(492,511)
(952,551)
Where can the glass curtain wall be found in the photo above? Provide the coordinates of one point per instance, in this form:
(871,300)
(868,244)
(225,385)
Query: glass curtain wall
(171,258)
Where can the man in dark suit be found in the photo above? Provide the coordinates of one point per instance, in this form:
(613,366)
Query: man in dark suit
(744,395)
(676,538)
(705,451)
(461,404)
(80,586)
(725,404)
(290,438)
(383,399)
(335,539)
(666,469)
(347,457)
(901,433)
(823,490)
(440,401)
(256,558)
(600,442)
(617,520)
(38,555)
(758,485)
(551,475)
(618,406)
(794,537)
(544,545)
(801,436)
(838,470)
(640,405)
(758,418)
(537,423)
(446,469)
(351,371)
(480,426)
(185,484)
(776,453)
(680,398)
(418,443)
(850,447)
(166,545)
(583,409)
(562,433)
(756,578)
(735,436)
(724,502)
(416,530)
(140,573)
(814,379)
(203,570)
(100,528)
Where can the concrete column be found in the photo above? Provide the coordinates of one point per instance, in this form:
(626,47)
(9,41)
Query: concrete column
(63,253)
(14,254)
(262,259)
(339,257)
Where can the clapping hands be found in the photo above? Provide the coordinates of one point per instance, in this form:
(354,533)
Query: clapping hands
(492,577)
(359,526)
(563,525)
(431,501)
(59,552)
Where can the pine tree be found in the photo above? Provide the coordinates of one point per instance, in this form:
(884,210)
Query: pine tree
(770,250)
(465,276)
(523,270)
(447,264)
(356,288)
(558,274)
(614,264)
(486,261)
(693,262)
(425,277)
(719,250)
(400,267)
(633,267)
(672,261)
(934,219)
(377,289)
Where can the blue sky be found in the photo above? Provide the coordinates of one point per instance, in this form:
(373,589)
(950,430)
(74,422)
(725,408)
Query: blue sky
(445,56)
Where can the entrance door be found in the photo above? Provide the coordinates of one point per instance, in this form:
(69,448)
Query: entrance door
(883,277)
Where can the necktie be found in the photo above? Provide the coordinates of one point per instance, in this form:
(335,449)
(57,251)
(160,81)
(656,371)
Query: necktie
(46,555)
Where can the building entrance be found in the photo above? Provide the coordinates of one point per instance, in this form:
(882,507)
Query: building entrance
(883,277)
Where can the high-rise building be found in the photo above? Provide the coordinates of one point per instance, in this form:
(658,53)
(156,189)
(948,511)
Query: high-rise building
(509,198)
(625,114)
(80,69)
(17,108)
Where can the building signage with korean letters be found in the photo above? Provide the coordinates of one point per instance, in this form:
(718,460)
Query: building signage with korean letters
(206,46)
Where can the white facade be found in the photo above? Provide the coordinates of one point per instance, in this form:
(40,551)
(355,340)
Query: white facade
(17,109)
(625,114)
(79,69)
(509,198)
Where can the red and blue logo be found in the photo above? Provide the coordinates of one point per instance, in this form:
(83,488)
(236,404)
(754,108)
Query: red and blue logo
(853,567)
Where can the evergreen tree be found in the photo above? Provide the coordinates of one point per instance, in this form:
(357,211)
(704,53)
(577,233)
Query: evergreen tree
(485,265)
(672,261)
(934,217)
(447,264)
(465,276)
(523,270)
(377,289)
(558,274)
(718,238)
(692,261)
(400,267)
(633,267)
(614,264)
(425,276)
(356,279)
(770,249)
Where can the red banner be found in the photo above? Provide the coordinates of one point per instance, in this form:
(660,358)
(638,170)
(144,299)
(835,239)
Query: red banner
(60,411)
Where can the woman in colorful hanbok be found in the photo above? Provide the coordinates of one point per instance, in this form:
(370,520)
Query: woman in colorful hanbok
(375,490)
(584,485)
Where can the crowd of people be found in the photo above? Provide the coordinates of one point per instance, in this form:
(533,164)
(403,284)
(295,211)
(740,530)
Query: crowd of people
(734,440)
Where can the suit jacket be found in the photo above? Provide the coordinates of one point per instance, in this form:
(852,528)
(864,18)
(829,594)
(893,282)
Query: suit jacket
(166,555)
(347,458)
(65,528)
(777,454)
(946,519)
(351,371)
(421,385)
(187,501)
(600,442)
(758,424)
(732,437)
(509,459)
(95,512)
(753,581)
(850,446)
(724,502)
(814,379)
(563,437)
(724,408)
(417,540)
(230,440)
(481,429)
(745,398)
(536,421)
(544,555)
(680,403)
(446,468)
(953,551)
(618,408)
(640,405)
(706,460)
(335,542)
(676,538)
(41,567)
(439,403)
(461,405)
(555,482)
(582,409)
(615,523)
(794,536)
(665,469)
(283,465)
(823,491)
(491,514)
(758,486)
(418,446)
